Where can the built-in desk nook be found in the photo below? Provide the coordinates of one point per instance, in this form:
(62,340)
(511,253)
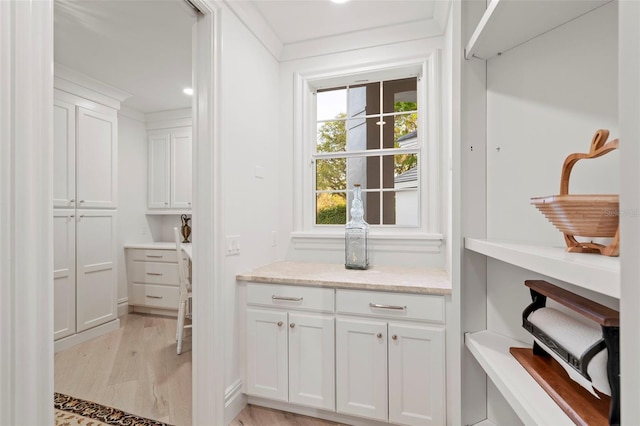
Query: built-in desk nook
(357,346)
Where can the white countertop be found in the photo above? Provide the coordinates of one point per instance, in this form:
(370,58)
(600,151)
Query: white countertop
(386,278)
(160,246)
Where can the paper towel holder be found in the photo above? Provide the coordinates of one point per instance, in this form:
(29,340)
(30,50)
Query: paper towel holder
(607,318)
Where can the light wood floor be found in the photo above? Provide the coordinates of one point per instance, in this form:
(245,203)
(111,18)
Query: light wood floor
(136,369)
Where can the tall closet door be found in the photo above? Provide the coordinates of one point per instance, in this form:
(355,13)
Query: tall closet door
(96,288)
(64,154)
(64,273)
(181,169)
(158,170)
(97,158)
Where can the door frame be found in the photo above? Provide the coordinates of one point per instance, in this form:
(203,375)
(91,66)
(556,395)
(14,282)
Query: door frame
(26,215)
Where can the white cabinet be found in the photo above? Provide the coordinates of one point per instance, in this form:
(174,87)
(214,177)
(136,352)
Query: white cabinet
(290,348)
(169,168)
(390,370)
(64,273)
(85,153)
(153,280)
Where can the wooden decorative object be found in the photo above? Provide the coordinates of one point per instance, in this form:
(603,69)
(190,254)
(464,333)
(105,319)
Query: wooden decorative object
(589,215)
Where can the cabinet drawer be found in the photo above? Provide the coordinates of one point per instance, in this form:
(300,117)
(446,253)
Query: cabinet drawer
(391,305)
(155,273)
(158,296)
(154,255)
(288,297)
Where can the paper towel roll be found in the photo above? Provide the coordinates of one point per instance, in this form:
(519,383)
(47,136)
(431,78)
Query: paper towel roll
(576,337)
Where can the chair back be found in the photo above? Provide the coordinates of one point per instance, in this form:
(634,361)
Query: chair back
(183,268)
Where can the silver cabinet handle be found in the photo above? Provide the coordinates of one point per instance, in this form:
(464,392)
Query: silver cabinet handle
(154,297)
(279,323)
(81,201)
(154,273)
(290,299)
(292,325)
(154,255)
(379,335)
(394,337)
(394,307)
(73,200)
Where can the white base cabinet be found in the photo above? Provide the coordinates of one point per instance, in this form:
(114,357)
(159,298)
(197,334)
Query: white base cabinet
(374,355)
(152,275)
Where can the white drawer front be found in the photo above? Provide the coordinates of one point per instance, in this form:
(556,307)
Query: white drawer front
(290,296)
(155,273)
(154,255)
(157,296)
(391,305)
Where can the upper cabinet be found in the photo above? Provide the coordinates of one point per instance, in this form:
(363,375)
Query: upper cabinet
(169,170)
(170,182)
(85,153)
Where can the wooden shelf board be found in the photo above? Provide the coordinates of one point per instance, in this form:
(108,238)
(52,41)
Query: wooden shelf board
(508,23)
(167,212)
(526,397)
(582,407)
(590,271)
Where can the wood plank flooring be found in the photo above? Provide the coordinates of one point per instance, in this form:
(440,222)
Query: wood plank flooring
(136,369)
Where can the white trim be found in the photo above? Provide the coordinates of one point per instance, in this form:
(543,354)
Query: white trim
(427,67)
(26,212)
(208,299)
(85,336)
(87,87)
(168,119)
(131,113)
(123,306)
(234,401)
(257,25)
(441,10)
(391,34)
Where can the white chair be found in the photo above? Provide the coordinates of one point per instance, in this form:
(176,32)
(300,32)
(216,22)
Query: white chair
(184,306)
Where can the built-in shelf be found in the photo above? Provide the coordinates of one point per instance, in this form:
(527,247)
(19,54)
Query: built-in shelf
(590,271)
(508,23)
(526,397)
(167,212)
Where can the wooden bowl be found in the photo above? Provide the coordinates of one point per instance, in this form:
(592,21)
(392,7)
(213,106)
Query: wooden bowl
(588,215)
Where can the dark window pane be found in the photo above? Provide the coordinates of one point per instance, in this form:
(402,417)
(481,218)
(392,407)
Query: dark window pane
(372,208)
(331,209)
(389,208)
(388,171)
(364,99)
(400,95)
(331,174)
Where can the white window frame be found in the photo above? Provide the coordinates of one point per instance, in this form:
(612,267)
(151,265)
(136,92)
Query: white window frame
(429,124)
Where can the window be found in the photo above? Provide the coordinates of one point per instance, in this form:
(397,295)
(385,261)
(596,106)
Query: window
(367,134)
(376,126)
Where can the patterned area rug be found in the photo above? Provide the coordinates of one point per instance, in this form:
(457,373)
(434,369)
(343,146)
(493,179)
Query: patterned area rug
(70,411)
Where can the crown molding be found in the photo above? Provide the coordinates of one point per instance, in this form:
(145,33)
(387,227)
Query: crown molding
(79,84)
(131,113)
(257,25)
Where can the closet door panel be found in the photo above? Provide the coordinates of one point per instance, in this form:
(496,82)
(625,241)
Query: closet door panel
(64,273)
(64,154)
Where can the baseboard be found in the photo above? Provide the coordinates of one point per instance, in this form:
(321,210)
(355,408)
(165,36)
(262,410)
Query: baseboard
(234,401)
(123,307)
(156,311)
(86,335)
(314,412)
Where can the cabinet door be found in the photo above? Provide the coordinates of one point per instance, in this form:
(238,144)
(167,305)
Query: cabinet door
(267,354)
(311,360)
(96,286)
(64,273)
(158,171)
(181,173)
(97,159)
(64,154)
(361,368)
(416,375)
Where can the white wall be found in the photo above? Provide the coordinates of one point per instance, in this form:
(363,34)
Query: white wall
(249,135)
(381,252)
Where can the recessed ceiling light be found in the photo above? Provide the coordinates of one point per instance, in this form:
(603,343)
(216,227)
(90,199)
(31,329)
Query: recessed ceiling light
(188,91)
(339,1)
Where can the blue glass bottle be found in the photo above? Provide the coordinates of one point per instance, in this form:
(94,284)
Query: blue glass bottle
(356,244)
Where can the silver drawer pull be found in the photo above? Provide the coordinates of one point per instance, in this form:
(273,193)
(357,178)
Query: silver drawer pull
(395,307)
(154,273)
(154,297)
(154,255)
(290,299)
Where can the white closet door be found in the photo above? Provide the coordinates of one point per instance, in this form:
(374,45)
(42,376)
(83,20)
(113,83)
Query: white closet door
(97,159)
(64,273)
(159,150)
(64,154)
(96,288)
(181,170)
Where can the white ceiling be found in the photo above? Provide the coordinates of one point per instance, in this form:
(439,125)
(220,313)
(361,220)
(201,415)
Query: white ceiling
(143,47)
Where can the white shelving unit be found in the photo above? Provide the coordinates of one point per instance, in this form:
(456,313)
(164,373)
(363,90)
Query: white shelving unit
(532,404)
(590,271)
(508,23)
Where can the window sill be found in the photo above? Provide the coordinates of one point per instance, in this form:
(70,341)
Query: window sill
(396,242)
